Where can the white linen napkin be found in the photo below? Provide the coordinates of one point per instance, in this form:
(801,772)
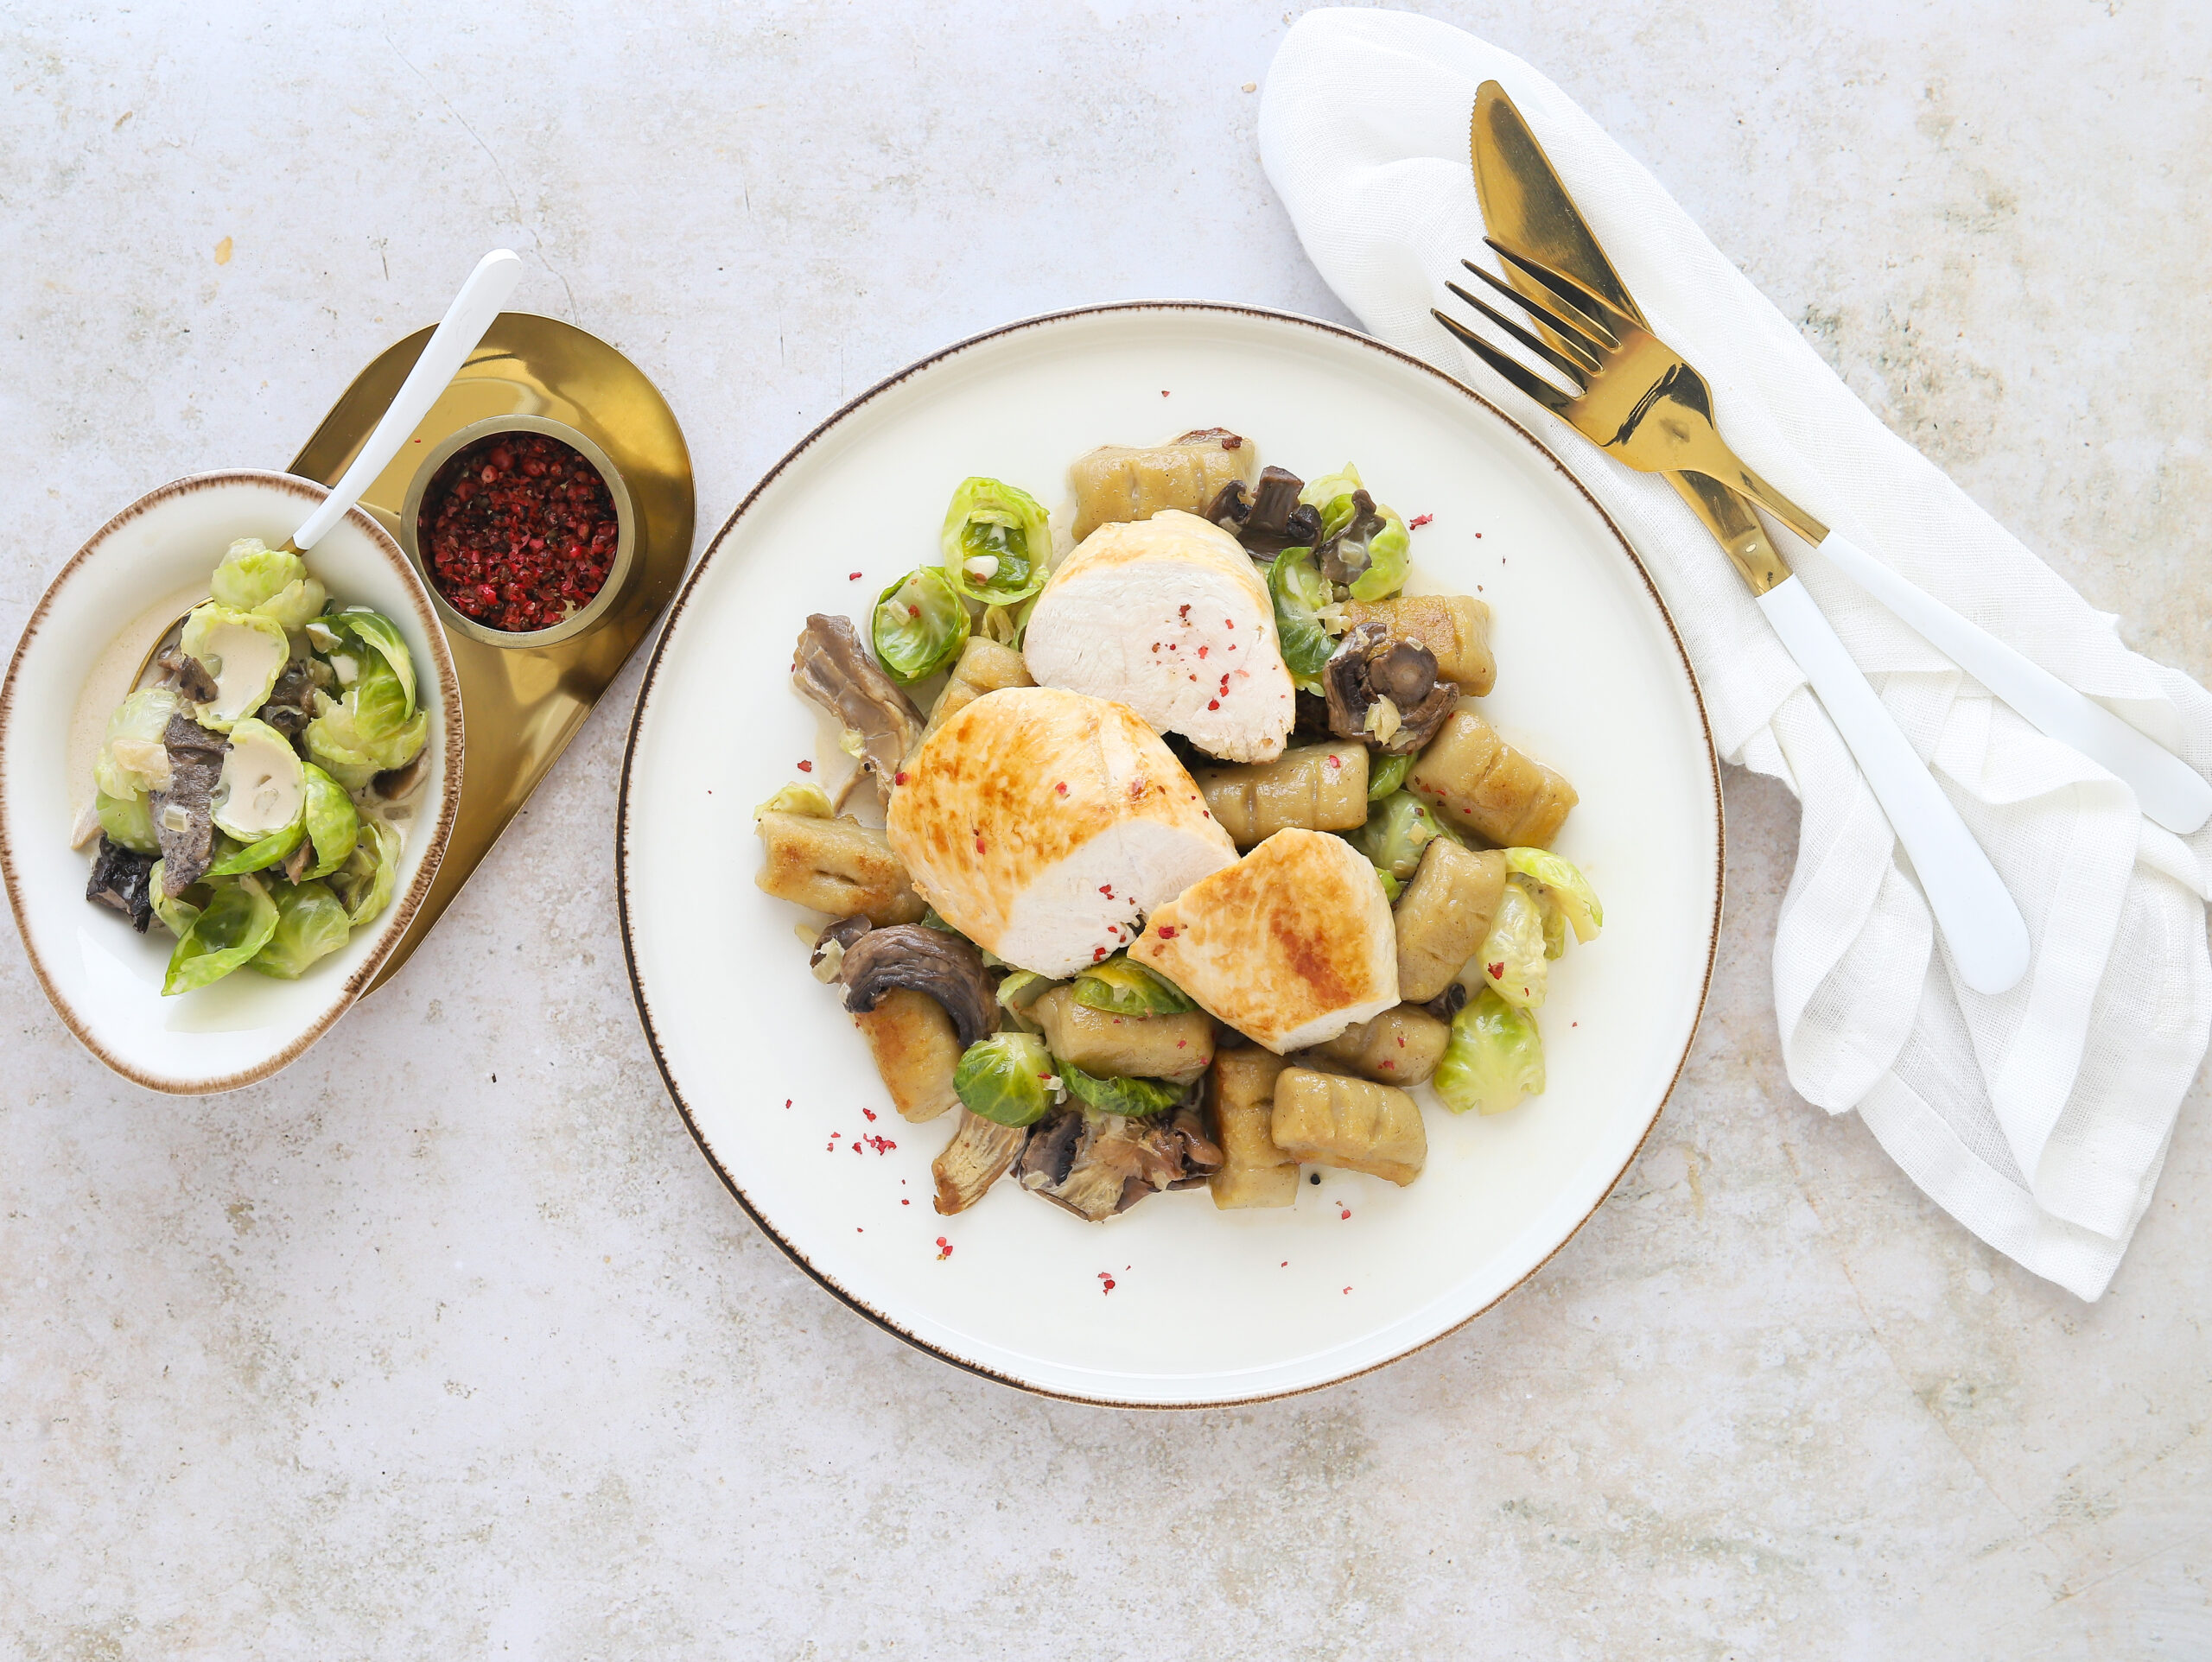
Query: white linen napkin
(2039,1118)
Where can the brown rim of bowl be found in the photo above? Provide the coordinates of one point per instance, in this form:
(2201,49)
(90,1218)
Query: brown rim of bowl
(403,907)
(668,630)
(580,622)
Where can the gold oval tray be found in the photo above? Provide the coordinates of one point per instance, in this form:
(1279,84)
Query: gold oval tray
(522,703)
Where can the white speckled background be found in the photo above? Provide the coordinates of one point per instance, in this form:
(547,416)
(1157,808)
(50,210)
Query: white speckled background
(448,1343)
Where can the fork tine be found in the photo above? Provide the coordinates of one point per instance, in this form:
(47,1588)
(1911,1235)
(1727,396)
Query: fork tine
(1585,351)
(1587,315)
(1519,374)
(1577,373)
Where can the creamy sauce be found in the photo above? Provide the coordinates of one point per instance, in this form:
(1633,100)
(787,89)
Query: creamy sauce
(260,789)
(248,661)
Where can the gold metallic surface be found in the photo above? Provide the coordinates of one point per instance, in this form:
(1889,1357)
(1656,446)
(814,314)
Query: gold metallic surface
(523,703)
(1525,207)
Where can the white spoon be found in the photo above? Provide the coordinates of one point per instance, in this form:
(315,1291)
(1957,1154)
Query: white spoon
(479,300)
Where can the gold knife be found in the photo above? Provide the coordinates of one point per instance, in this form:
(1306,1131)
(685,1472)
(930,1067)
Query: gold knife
(1525,207)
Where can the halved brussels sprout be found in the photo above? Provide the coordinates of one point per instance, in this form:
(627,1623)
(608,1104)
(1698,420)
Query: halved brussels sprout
(132,759)
(1393,886)
(1564,885)
(332,820)
(237,921)
(1384,550)
(1294,582)
(244,651)
(341,742)
(1331,494)
(1386,772)
(1389,557)
(996,543)
(919,626)
(379,637)
(1398,828)
(809,800)
(127,819)
(1135,1097)
(176,912)
(311,924)
(1002,1078)
(363,885)
(1120,987)
(263,788)
(1495,1058)
(1512,958)
(259,856)
(272,582)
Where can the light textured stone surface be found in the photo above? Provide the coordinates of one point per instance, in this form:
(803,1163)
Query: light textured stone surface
(448,1343)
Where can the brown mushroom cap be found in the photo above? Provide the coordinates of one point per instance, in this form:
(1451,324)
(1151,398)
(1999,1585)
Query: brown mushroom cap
(1371,663)
(1403,672)
(947,967)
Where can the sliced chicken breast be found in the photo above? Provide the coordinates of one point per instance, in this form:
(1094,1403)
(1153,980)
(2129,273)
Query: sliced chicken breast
(1169,616)
(1290,946)
(1045,826)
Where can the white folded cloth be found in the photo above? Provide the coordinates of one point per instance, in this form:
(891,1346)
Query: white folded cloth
(2039,1118)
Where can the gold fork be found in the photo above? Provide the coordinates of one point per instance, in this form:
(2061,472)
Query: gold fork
(1641,400)
(1637,397)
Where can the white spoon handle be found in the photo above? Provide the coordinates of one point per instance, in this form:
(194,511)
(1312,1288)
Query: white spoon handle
(473,309)
(2167,789)
(1988,939)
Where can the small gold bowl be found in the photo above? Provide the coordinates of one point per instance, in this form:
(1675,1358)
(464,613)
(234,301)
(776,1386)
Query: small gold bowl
(582,620)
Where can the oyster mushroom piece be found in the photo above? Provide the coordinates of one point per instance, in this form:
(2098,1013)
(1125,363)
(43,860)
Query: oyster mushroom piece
(120,879)
(832,668)
(1385,689)
(290,704)
(923,960)
(978,1156)
(1099,1165)
(183,818)
(189,675)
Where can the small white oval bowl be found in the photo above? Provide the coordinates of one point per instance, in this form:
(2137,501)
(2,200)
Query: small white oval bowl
(76,660)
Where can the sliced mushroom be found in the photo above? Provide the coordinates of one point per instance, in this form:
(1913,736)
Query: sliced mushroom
(827,959)
(1345,556)
(1232,507)
(977,1157)
(832,668)
(1098,1165)
(1384,690)
(947,967)
(183,814)
(120,879)
(1277,520)
(290,704)
(189,674)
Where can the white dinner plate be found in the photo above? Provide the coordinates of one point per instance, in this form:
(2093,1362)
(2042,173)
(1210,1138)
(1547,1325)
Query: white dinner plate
(1174,1302)
(93,627)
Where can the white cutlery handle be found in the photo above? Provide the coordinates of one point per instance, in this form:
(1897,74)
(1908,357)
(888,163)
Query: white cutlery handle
(2167,789)
(1989,941)
(458,332)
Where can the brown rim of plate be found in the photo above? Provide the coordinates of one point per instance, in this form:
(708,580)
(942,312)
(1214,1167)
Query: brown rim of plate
(683,596)
(403,908)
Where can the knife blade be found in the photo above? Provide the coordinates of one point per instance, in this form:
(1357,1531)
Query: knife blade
(1526,208)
